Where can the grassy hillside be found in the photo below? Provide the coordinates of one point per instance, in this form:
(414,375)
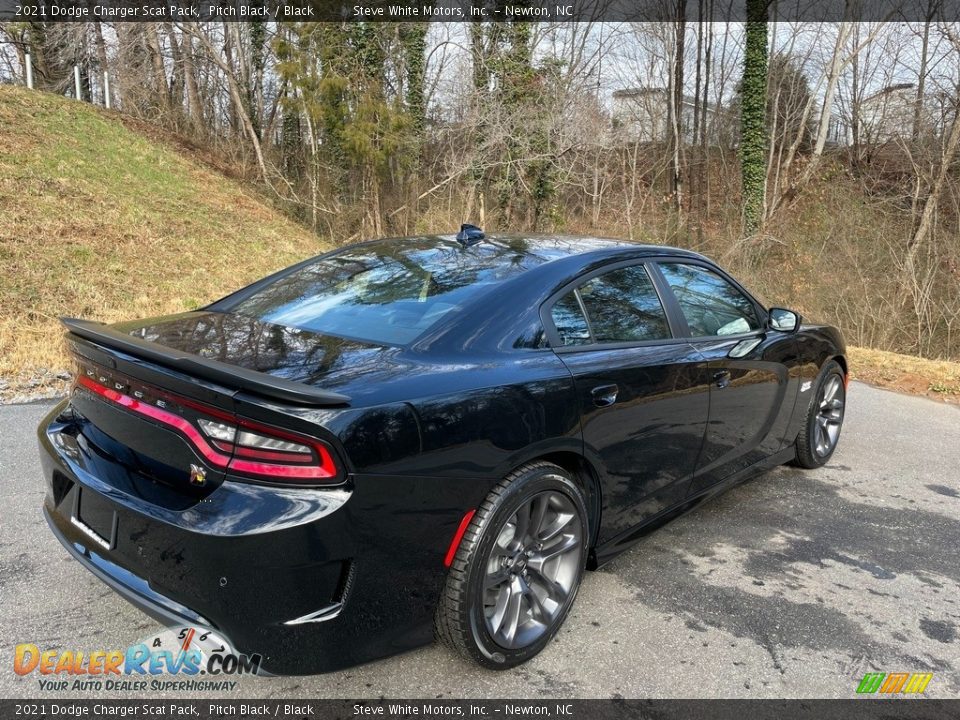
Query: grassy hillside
(105,219)
(100,221)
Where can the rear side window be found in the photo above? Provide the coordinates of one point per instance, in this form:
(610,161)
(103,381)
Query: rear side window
(710,304)
(621,306)
(570,322)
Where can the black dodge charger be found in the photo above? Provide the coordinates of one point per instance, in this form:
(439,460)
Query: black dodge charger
(419,437)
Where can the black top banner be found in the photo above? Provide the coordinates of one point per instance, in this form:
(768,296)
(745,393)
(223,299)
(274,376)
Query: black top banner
(475,10)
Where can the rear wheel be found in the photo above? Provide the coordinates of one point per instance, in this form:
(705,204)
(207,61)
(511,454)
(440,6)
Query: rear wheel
(517,570)
(819,438)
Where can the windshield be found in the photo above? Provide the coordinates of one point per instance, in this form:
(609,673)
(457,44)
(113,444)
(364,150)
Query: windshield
(385,292)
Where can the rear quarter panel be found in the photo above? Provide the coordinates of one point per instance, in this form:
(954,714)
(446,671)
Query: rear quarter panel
(418,466)
(488,417)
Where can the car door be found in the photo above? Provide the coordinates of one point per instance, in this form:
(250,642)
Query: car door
(643,401)
(749,364)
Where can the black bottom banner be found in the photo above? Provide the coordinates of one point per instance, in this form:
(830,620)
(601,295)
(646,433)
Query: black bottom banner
(492,709)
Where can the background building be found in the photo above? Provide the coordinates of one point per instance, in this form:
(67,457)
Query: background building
(641,115)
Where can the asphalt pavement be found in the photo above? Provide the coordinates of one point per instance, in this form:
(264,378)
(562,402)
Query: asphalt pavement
(793,584)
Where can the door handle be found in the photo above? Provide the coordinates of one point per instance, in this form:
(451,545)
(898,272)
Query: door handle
(722,378)
(604,395)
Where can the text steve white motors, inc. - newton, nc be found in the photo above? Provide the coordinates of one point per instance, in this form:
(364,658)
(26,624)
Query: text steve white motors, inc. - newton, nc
(500,12)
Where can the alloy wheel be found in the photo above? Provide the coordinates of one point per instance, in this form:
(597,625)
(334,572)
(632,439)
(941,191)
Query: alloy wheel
(532,569)
(829,416)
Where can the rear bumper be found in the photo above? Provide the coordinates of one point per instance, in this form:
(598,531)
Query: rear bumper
(314,580)
(131,588)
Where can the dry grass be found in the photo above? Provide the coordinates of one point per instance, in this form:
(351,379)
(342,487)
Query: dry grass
(904,373)
(99,221)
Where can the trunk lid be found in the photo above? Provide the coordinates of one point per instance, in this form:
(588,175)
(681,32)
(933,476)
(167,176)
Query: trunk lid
(325,365)
(164,401)
(124,414)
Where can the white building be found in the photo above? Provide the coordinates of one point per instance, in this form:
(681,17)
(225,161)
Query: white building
(641,115)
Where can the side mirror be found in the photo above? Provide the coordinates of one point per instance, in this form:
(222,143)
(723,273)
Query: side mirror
(784,320)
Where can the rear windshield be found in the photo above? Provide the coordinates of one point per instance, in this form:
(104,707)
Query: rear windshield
(385,292)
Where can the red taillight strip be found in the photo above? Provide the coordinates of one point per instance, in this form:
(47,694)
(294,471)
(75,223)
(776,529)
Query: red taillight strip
(326,469)
(161,416)
(457,537)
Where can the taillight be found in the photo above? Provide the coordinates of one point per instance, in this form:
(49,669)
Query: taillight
(262,451)
(237,445)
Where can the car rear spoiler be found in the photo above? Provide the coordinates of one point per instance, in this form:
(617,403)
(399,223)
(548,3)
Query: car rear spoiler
(223,373)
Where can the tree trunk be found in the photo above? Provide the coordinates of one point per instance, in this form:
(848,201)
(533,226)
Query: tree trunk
(753,111)
(675,119)
(837,64)
(194,103)
(704,129)
(101,47)
(177,74)
(697,159)
(922,74)
(930,206)
(855,93)
(229,69)
(151,33)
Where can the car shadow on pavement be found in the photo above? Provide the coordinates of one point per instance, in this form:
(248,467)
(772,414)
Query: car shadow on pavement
(789,562)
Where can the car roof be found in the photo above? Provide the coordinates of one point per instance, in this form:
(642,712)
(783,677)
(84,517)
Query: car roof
(543,248)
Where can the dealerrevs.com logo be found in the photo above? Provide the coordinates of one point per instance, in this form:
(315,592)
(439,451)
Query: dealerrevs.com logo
(186,653)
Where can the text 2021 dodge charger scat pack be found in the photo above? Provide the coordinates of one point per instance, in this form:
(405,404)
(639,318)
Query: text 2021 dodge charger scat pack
(423,436)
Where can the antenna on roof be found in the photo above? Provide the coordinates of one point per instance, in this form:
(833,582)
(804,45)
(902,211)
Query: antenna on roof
(469,235)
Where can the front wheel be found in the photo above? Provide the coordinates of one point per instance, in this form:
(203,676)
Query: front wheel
(821,433)
(518,568)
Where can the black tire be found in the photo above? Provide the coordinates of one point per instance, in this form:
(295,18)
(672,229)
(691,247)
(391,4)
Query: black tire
(467,611)
(812,452)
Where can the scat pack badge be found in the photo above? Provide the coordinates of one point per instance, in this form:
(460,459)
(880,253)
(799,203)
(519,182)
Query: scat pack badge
(198,475)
